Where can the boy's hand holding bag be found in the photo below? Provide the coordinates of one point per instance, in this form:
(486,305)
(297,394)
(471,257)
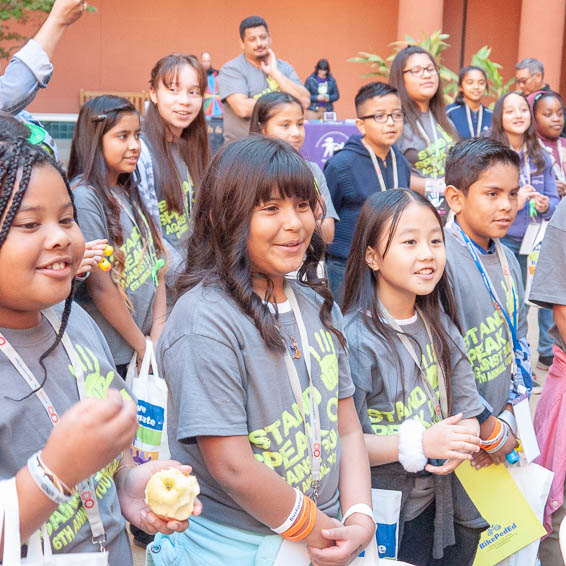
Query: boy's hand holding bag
(150,390)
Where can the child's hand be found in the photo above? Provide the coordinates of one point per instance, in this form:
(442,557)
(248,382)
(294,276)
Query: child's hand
(94,252)
(510,444)
(542,202)
(525,193)
(561,188)
(323,521)
(89,435)
(481,460)
(446,440)
(132,498)
(349,540)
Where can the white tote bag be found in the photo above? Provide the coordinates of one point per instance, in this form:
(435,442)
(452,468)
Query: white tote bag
(150,390)
(36,556)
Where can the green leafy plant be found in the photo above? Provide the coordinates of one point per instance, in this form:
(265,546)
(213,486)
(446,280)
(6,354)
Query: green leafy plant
(435,44)
(20,11)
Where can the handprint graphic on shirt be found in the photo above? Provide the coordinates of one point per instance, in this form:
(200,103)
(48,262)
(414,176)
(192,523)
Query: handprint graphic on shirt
(96,384)
(326,358)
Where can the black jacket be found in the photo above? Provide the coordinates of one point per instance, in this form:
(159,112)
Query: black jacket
(311,85)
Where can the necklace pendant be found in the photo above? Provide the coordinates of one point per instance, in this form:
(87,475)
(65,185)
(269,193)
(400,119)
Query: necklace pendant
(295,349)
(297,354)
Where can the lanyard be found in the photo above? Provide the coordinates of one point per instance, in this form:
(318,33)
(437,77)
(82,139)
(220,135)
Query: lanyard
(378,168)
(312,432)
(188,202)
(558,168)
(526,175)
(427,139)
(157,263)
(439,402)
(470,123)
(85,487)
(512,325)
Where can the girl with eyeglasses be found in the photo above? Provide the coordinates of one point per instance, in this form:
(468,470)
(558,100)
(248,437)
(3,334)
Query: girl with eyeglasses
(428,133)
(469,116)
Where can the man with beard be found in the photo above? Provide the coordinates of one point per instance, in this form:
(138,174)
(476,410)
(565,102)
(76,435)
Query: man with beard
(252,74)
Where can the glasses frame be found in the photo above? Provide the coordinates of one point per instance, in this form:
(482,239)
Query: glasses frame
(421,72)
(387,115)
(523,82)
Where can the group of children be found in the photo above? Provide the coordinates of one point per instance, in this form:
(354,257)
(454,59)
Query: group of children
(288,409)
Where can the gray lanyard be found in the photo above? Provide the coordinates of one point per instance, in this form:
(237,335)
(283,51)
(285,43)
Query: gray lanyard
(86,487)
(439,402)
(378,169)
(470,123)
(313,435)
(526,176)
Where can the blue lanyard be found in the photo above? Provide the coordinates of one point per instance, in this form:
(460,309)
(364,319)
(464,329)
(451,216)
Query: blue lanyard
(513,325)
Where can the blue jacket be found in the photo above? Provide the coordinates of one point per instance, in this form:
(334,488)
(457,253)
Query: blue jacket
(351,180)
(457,113)
(311,85)
(544,183)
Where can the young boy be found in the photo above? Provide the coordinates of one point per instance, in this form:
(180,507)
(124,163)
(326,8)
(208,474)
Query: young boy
(482,178)
(367,163)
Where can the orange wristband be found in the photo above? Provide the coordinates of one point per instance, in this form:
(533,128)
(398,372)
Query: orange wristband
(306,531)
(299,524)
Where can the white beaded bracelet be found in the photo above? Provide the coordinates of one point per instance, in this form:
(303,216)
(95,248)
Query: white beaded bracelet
(411,453)
(293,515)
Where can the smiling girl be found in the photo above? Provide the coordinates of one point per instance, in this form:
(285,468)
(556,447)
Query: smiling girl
(261,394)
(127,302)
(174,151)
(415,390)
(469,116)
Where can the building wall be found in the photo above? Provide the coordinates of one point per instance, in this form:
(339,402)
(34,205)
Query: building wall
(115,48)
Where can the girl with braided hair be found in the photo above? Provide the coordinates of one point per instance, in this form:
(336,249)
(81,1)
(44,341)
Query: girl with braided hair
(127,302)
(66,421)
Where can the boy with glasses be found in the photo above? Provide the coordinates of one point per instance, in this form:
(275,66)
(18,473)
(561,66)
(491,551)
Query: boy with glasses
(368,163)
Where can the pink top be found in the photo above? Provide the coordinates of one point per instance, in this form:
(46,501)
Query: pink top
(550,428)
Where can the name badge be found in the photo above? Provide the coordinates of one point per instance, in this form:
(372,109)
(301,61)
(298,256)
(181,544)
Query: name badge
(435,192)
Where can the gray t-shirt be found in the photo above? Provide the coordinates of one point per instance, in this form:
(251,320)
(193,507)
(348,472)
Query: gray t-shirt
(137,279)
(549,282)
(25,426)
(487,340)
(241,76)
(224,381)
(426,158)
(384,400)
(322,185)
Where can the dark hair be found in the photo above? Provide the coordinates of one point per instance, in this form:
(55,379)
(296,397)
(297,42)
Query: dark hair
(462,75)
(381,211)
(193,143)
(88,167)
(252,22)
(266,107)
(534,150)
(372,90)
(322,65)
(17,155)
(436,104)
(244,173)
(12,128)
(541,95)
(468,159)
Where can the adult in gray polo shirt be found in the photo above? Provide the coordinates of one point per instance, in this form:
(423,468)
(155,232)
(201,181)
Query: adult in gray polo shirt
(252,74)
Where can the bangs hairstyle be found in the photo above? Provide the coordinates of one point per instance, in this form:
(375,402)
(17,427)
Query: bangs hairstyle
(244,174)
(462,75)
(88,167)
(410,108)
(18,156)
(266,107)
(193,143)
(468,159)
(379,218)
(534,149)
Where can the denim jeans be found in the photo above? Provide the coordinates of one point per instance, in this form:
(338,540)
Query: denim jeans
(545,316)
(336,269)
(416,544)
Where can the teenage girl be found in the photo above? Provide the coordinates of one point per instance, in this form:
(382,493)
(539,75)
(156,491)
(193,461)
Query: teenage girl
(174,151)
(548,110)
(415,390)
(469,116)
(52,354)
(513,125)
(427,134)
(256,365)
(281,115)
(128,301)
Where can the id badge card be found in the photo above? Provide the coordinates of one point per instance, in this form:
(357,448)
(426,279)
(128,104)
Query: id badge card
(525,428)
(435,192)
(529,239)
